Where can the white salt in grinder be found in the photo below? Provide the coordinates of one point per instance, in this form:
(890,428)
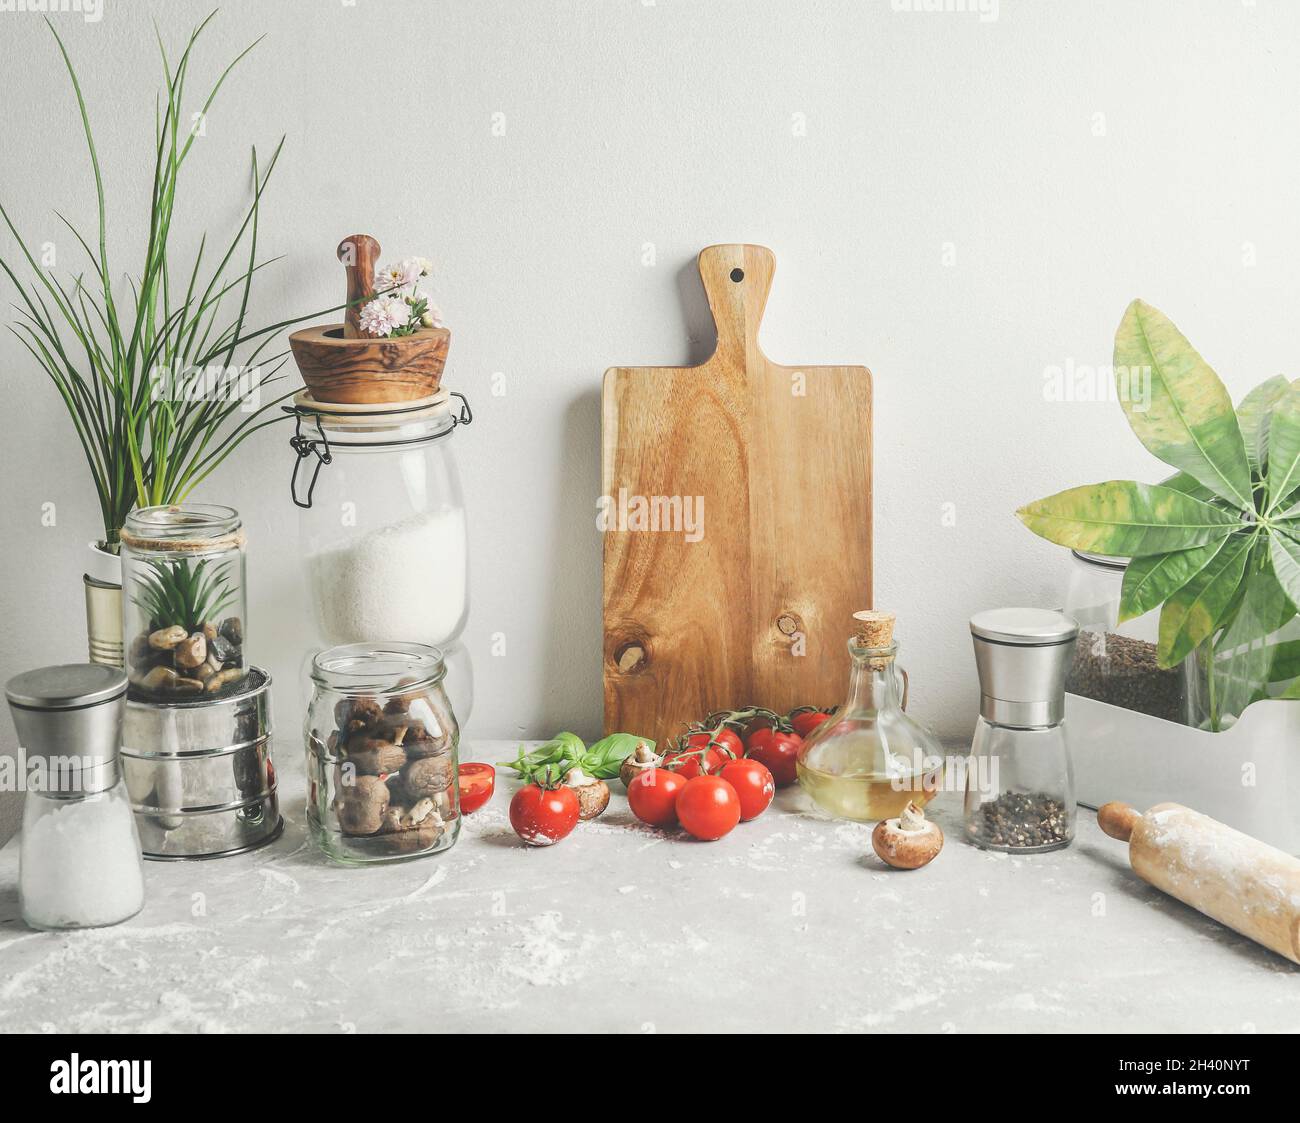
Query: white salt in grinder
(79,855)
(1019,780)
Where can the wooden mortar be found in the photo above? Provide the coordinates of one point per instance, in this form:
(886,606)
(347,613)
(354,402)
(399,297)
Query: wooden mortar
(342,366)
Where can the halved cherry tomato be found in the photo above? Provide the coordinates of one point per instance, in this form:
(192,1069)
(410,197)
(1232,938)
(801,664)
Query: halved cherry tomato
(804,723)
(708,807)
(542,816)
(476,782)
(754,786)
(652,795)
(778,751)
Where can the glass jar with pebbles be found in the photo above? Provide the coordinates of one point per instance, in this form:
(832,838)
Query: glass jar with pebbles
(382,742)
(1019,779)
(183,602)
(382,525)
(1116,662)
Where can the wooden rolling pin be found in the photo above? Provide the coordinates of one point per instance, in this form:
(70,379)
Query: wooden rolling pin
(1237,880)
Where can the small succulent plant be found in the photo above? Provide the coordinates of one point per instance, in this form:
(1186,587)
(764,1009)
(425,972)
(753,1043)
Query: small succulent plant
(184,592)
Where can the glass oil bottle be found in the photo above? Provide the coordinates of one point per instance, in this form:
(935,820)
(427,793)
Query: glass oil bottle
(870,760)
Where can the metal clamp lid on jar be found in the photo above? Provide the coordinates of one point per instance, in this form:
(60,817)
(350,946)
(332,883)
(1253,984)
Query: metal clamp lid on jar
(377,429)
(69,723)
(1022,655)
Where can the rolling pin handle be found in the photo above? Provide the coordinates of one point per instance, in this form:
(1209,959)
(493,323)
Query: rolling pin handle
(1117,819)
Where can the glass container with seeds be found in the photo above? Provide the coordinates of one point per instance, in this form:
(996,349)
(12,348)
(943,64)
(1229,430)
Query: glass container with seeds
(183,602)
(1020,782)
(1115,662)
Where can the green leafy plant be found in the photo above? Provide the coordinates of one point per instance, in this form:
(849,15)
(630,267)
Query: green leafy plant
(566,751)
(184,592)
(1216,547)
(136,370)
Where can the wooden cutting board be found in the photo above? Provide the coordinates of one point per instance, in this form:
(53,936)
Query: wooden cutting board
(758,609)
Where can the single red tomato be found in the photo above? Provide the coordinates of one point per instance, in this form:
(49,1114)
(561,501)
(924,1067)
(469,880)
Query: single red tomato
(652,795)
(542,816)
(691,762)
(476,782)
(807,721)
(708,807)
(754,786)
(778,751)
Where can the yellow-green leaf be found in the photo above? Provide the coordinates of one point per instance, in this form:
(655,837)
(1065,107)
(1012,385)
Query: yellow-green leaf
(1284,551)
(1193,613)
(1127,519)
(1152,580)
(1187,419)
(1253,419)
(1284,447)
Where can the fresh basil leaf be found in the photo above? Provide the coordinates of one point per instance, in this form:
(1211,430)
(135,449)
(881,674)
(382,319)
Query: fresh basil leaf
(604,759)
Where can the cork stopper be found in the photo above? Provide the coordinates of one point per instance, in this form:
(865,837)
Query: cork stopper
(874,629)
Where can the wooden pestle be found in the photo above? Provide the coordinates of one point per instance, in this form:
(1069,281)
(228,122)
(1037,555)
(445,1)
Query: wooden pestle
(359,254)
(1237,880)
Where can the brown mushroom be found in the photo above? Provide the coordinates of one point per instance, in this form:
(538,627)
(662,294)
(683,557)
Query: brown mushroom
(640,759)
(427,775)
(361,805)
(593,798)
(351,714)
(374,757)
(908,842)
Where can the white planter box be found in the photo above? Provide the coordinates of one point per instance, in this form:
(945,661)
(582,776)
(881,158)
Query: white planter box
(1247,777)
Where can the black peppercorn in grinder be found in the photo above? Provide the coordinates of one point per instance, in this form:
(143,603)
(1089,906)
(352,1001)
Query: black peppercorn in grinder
(1019,781)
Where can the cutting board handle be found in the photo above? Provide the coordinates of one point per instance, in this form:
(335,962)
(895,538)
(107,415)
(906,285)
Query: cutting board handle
(737,279)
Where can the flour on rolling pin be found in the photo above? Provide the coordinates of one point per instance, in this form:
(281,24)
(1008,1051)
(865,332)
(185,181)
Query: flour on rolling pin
(1237,880)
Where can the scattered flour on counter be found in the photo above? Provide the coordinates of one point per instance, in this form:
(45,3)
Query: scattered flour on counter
(545,955)
(407,581)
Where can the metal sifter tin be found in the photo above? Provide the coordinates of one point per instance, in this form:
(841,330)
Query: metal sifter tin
(200,774)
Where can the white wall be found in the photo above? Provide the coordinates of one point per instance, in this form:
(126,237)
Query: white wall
(968,203)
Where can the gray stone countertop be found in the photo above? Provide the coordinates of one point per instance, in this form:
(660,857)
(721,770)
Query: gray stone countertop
(788,923)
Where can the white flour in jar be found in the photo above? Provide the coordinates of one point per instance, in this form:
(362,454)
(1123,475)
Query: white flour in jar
(405,582)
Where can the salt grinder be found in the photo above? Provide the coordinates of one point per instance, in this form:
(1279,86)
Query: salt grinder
(79,853)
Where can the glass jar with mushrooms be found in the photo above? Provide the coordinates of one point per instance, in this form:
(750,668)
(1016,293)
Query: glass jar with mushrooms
(381,743)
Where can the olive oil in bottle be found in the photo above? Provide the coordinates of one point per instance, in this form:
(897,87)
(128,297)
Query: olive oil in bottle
(870,760)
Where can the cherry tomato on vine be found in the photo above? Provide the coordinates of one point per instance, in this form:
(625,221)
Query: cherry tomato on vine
(807,721)
(754,786)
(476,782)
(778,751)
(691,762)
(542,816)
(652,795)
(725,741)
(708,807)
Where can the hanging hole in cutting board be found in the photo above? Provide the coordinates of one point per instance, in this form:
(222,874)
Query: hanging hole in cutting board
(737,275)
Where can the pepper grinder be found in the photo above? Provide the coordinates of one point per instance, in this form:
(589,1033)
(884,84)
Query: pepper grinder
(1019,779)
(79,854)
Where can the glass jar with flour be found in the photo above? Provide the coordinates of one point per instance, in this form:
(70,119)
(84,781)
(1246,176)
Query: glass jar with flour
(382,526)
